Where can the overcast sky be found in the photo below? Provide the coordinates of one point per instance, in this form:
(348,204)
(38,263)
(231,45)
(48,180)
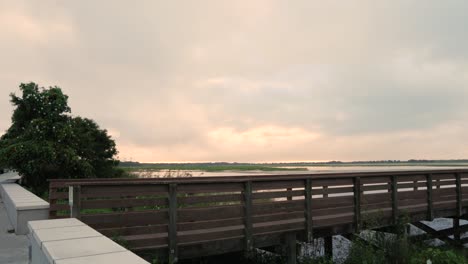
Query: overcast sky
(250,80)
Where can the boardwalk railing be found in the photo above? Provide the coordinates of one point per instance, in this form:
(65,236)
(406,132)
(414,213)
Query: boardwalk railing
(187,217)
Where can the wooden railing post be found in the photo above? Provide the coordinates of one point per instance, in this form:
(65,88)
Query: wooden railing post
(357,203)
(394,188)
(74,200)
(248,216)
(456,220)
(308,210)
(430,208)
(289,195)
(173,252)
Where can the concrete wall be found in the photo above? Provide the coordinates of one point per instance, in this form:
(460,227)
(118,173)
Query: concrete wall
(22,206)
(69,241)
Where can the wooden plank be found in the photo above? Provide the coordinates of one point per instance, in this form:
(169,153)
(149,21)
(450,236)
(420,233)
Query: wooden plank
(124,202)
(442,176)
(248,212)
(146,240)
(383,205)
(420,194)
(279,226)
(322,203)
(209,234)
(380,187)
(331,182)
(126,219)
(210,213)
(409,202)
(308,211)
(413,185)
(279,185)
(411,178)
(372,198)
(59,207)
(209,224)
(134,230)
(375,180)
(277,216)
(210,187)
(276,207)
(173,250)
(333,190)
(58,195)
(123,190)
(221,198)
(277,194)
(445,192)
(333,211)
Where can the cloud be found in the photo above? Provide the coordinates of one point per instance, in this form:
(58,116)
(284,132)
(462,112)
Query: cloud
(250,81)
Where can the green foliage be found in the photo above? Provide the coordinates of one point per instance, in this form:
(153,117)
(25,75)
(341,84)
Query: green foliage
(121,241)
(365,254)
(437,256)
(382,248)
(46,142)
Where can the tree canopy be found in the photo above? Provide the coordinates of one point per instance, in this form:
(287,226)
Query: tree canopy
(45,141)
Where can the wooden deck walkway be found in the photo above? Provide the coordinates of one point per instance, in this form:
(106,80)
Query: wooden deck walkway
(191,217)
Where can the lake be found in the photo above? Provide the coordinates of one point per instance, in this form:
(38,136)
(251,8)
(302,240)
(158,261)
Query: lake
(317,169)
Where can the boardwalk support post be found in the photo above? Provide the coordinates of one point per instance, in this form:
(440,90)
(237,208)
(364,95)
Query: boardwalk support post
(456,220)
(430,208)
(291,248)
(173,254)
(308,211)
(357,204)
(248,216)
(74,200)
(394,199)
(328,246)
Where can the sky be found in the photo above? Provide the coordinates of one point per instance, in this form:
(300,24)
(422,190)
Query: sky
(250,81)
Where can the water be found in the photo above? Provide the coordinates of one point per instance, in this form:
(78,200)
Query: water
(318,169)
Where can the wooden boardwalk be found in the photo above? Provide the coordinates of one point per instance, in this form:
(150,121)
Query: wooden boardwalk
(198,216)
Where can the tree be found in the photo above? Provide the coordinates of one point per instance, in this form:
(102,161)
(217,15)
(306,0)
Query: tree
(46,142)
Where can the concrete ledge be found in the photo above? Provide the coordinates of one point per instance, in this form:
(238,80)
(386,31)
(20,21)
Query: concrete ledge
(69,241)
(22,206)
(9,177)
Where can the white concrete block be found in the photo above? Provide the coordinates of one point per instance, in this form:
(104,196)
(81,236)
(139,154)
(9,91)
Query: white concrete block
(62,249)
(126,257)
(22,206)
(42,224)
(32,205)
(62,233)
